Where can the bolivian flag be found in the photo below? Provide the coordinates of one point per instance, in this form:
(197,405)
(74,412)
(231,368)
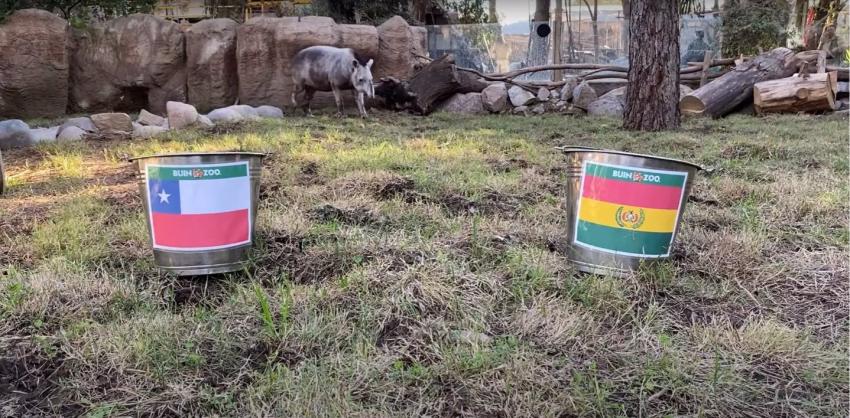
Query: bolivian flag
(628,210)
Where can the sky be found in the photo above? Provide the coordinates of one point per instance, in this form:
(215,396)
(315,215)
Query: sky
(511,11)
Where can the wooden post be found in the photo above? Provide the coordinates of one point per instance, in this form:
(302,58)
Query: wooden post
(706,64)
(558,34)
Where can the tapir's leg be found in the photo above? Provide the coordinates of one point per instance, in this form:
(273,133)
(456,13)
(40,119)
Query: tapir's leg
(308,97)
(338,99)
(298,89)
(361,106)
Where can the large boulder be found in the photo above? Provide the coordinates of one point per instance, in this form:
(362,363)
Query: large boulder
(44,134)
(181,115)
(128,64)
(225,115)
(584,95)
(149,119)
(83,122)
(398,42)
(608,106)
(15,133)
(495,97)
(267,111)
(520,97)
(469,103)
(145,132)
(265,47)
(211,79)
(33,65)
(70,133)
(570,83)
(117,122)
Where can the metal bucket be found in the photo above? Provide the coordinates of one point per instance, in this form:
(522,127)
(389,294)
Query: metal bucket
(226,184)
(623,209)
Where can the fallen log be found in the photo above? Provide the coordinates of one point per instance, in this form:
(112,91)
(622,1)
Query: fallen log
(722,95)
(843,72)
(439,80)
(799,93)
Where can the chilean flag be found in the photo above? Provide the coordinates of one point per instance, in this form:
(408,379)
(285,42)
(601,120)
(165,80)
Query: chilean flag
(203,207)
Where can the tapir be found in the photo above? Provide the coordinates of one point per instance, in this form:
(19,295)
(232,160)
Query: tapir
(326,68)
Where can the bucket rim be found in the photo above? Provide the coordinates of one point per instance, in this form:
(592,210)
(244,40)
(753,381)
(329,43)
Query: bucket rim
(200,154)
(567,149)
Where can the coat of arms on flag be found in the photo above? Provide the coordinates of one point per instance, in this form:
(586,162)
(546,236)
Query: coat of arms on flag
(203,207)
(629,210)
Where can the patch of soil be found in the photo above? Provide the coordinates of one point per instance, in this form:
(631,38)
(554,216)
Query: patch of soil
(508,165)
(354,216)
(30,379)
(309,175)
(293,256)
(394,187)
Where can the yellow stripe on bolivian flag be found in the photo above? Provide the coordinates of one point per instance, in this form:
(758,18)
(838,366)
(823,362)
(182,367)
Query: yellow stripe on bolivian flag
(604,213)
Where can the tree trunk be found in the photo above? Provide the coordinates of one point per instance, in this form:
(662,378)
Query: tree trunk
(538,50)
(493,17)
(808,93)
(653,96)
(724,94)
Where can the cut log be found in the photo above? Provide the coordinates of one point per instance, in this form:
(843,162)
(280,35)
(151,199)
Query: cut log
(721,96)
(439,80)
(843,72)
(800,93)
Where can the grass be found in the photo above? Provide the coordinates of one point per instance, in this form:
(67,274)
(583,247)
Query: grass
(413,266)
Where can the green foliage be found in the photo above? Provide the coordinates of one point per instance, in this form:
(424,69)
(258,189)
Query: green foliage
(752,24)
(469,11)
(80,10)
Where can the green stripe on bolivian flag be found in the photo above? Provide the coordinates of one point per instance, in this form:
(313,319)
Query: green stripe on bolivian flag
(630,174)
(623,240)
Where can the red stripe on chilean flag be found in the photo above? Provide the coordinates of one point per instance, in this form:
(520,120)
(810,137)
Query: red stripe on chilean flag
(631,193)
(200,230)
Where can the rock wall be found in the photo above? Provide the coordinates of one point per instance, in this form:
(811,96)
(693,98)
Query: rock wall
(265,47)
(33,65)
(141,61)
(212,80)
(127,64)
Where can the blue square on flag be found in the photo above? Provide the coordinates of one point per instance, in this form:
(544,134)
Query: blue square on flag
(164,195)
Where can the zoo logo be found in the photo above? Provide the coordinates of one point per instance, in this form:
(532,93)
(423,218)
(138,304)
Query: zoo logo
(628,218)
(197,173)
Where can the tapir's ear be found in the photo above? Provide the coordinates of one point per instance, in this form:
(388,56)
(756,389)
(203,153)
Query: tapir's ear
(355,64)
(369,64)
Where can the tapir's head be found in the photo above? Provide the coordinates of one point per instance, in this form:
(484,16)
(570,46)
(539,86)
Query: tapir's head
(361,78)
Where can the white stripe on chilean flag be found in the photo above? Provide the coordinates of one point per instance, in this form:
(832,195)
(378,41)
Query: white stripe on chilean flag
(215,196)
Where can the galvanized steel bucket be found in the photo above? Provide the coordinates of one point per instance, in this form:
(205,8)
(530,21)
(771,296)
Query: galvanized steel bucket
(623,209)
(201,209)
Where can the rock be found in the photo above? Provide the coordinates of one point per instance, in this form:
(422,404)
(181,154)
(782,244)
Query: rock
(539,109)
(396,43)
(112,122)
(181,115)
(246,111)
(204,121)
(554,94)
(211,77)
(33,65)
(469,103)
(44,134)
(521,110)
(149,119)
(569,86)
(146,131)
(70,133)
(14,133)
(543,94)
(561,105)
(83,123)
(267,111)
(519,96)
(606,106)
(266,46)
(225,115)
(604,85)
(495,97)
(129,63)
(583,95)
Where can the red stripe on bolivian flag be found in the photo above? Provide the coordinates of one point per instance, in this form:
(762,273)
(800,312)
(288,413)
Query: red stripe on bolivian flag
(629,210)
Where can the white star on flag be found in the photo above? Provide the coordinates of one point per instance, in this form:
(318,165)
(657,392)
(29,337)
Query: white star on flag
(163,197)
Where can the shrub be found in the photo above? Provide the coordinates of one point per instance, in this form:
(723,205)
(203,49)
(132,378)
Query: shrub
(752,24)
